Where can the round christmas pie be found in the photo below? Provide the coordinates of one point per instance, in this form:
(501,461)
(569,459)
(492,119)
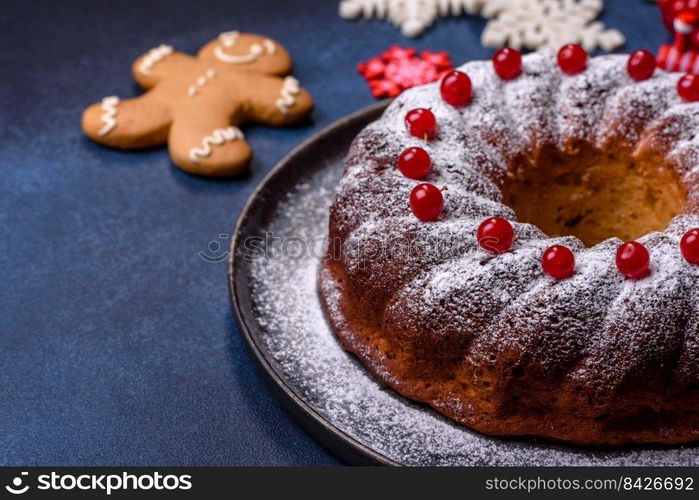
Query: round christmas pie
(518,246)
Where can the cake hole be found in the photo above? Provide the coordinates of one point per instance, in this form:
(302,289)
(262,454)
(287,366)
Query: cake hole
(594,195)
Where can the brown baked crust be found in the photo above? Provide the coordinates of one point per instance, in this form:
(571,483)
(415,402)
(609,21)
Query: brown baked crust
(503,403)
(593,360)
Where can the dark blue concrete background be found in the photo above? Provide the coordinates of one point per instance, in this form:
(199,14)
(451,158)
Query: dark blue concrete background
(117,341)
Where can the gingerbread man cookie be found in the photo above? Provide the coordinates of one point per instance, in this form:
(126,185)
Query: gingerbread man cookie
(195,104)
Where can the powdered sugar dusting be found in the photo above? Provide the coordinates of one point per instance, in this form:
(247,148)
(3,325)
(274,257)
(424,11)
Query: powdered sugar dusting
(569,319)
(470,155)
(297,338)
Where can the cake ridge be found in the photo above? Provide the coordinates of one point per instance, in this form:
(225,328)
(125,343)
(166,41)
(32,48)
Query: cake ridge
(499,340)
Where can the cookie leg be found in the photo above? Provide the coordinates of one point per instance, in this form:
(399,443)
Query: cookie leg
(137,123)
(209,146)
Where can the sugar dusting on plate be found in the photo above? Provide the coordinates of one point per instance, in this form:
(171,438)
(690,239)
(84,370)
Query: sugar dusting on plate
(297,338)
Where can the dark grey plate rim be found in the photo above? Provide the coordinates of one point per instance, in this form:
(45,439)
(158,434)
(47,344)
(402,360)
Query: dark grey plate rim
(263,203)
(342,444)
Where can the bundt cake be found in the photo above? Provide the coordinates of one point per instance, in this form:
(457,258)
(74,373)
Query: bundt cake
(562,332)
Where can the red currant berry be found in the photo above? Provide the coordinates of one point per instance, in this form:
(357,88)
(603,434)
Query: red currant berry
(558,262)
(641,65)
(456,88)
(690,246)
(421,123)
(507,63)
(688,88)
(414,163)
(496,235)
(633,260)
(572,59)
(426,202)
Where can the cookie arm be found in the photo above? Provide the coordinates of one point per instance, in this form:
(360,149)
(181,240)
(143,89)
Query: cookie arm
(137,123)
(158,63)
(277,101)
(207,144)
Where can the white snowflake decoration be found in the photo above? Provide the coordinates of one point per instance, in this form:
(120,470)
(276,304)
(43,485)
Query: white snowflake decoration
(531,24)
(536,24)
(411,16)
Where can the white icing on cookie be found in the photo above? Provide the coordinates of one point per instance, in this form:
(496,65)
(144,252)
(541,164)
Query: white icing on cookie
(290,88)
(229,39)
(201,81)
(269,45)
(153,56)
(217,137)
(256,50)
(108,118)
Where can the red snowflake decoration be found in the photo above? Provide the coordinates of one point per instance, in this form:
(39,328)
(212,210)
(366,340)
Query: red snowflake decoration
(400,68)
